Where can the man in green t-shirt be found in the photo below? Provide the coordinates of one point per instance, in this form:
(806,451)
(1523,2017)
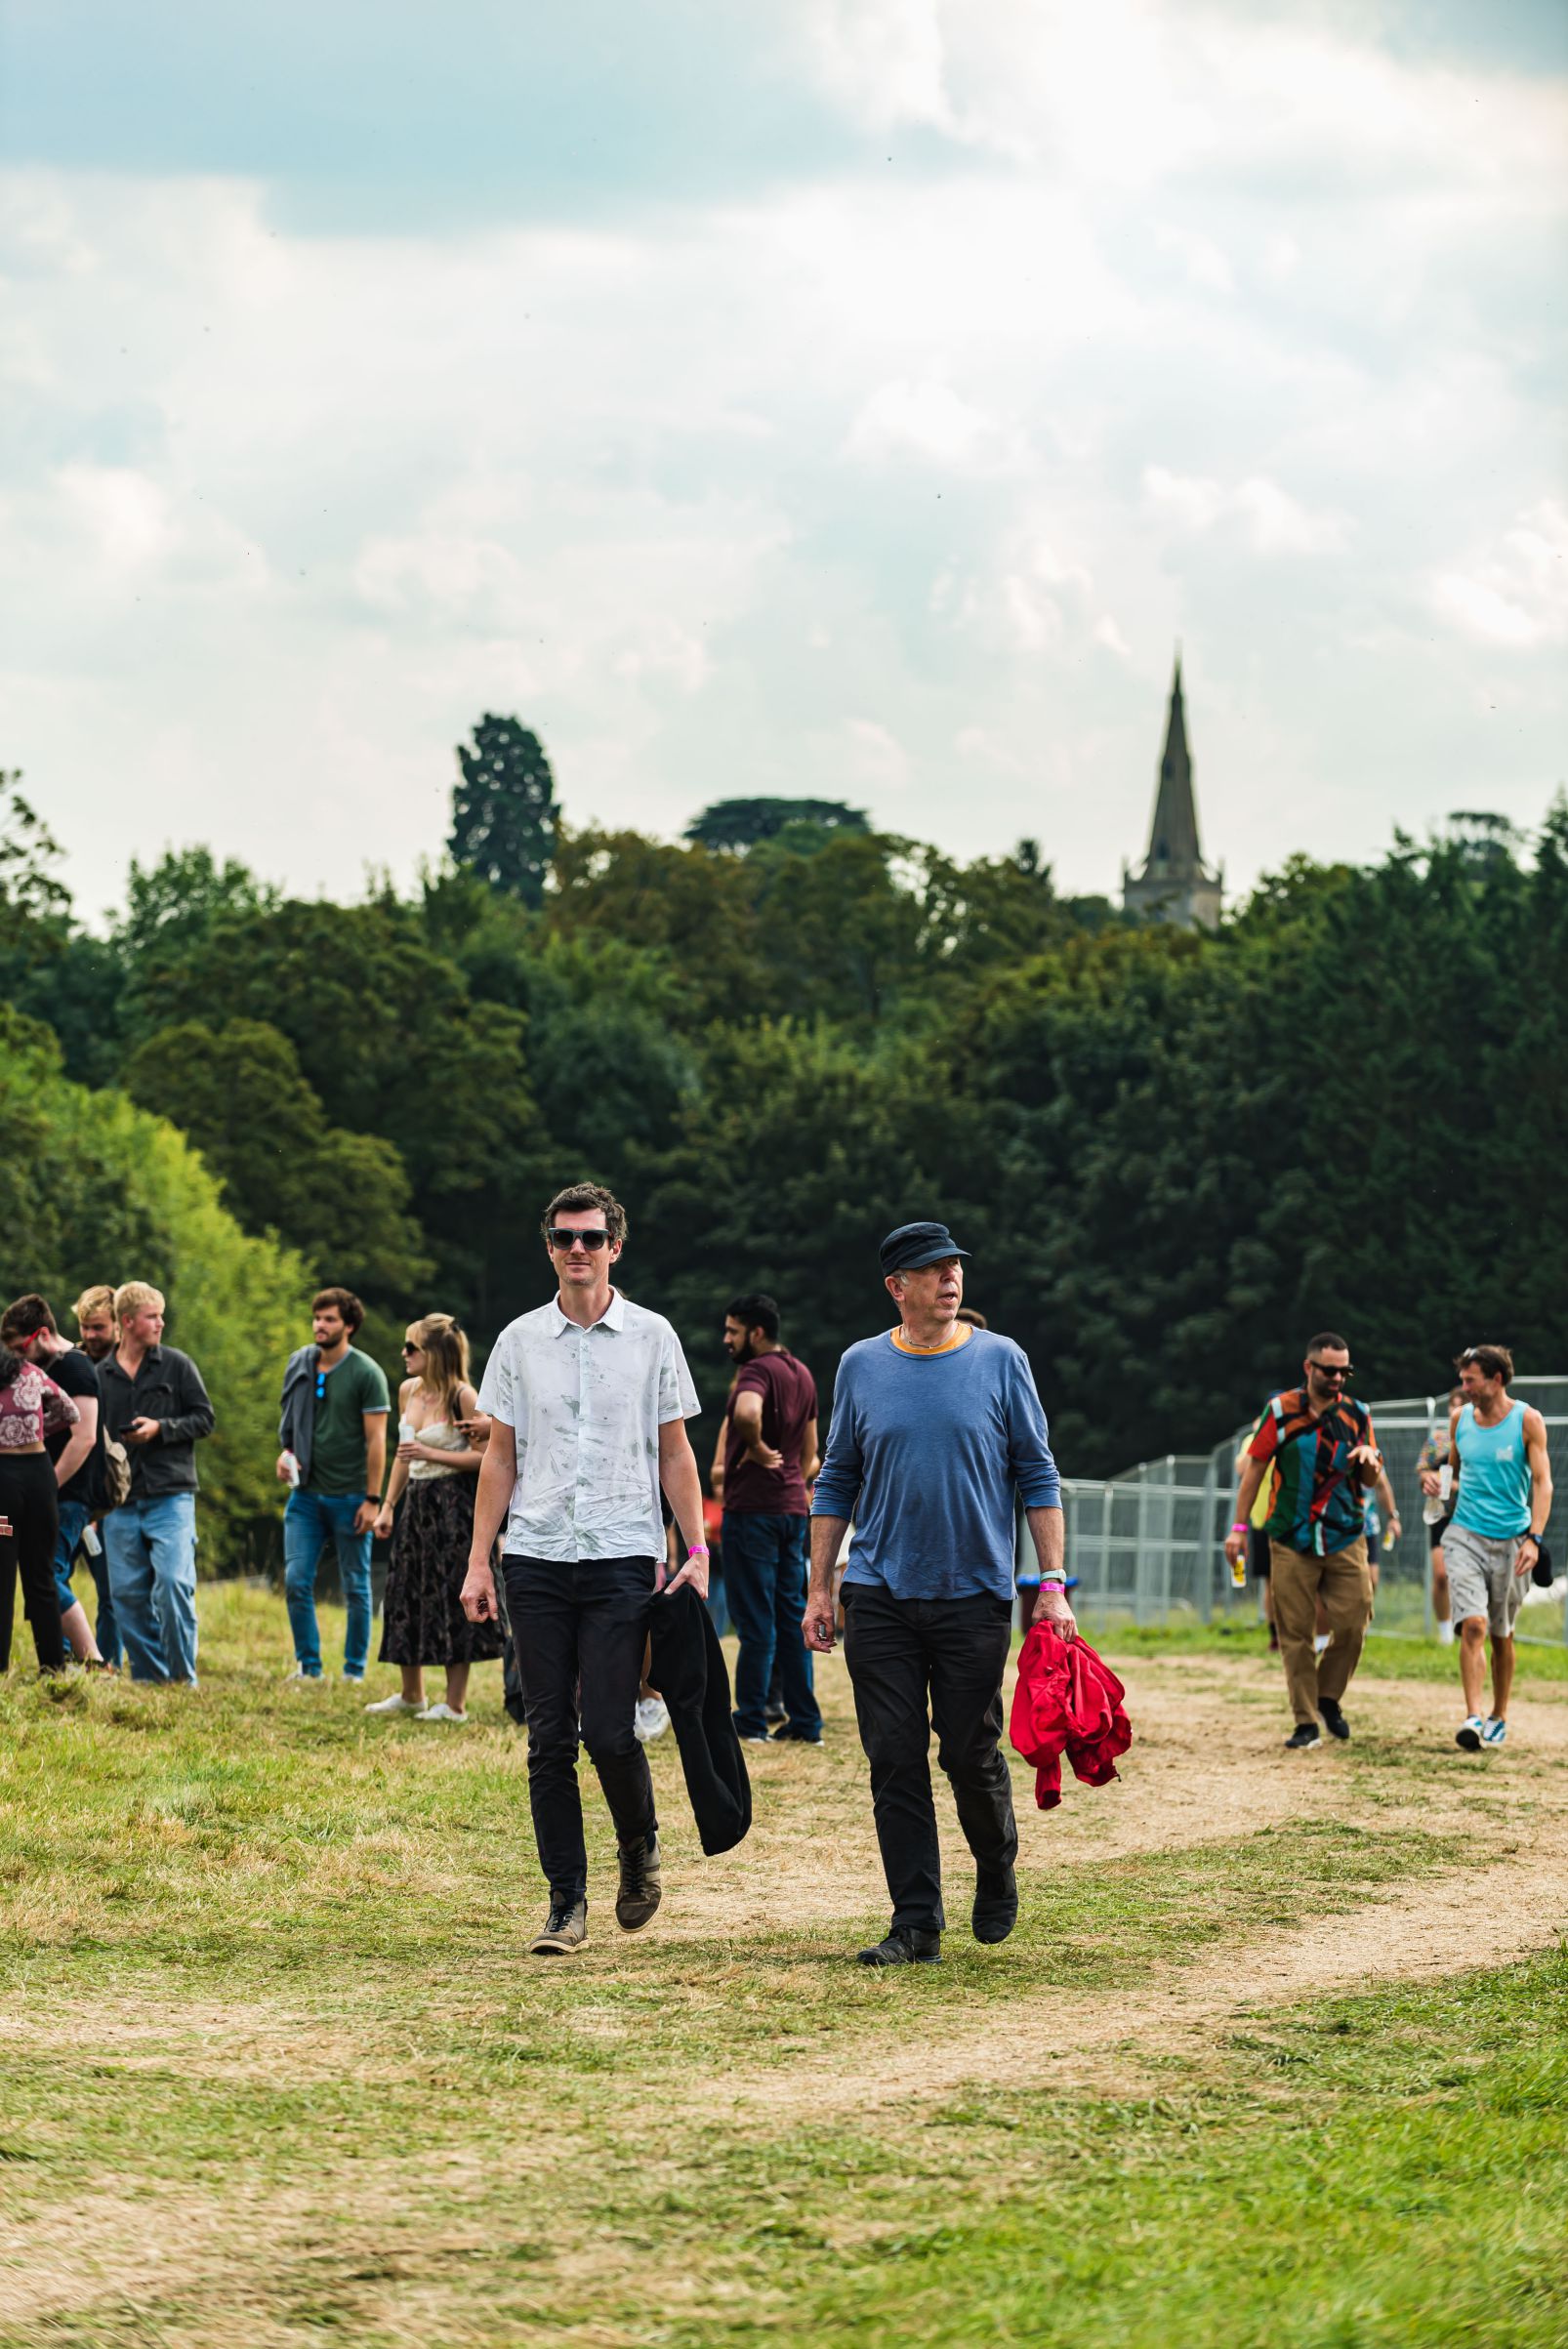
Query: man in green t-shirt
(334,1436)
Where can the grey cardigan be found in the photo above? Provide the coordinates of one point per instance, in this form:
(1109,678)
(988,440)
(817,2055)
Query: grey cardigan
(296,1428)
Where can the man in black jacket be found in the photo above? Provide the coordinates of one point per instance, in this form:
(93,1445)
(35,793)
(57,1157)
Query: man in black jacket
(157,1406)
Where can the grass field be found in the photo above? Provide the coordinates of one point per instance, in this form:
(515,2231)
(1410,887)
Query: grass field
(1278,2054)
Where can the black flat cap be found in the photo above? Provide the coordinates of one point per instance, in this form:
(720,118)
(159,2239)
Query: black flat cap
(915,1244)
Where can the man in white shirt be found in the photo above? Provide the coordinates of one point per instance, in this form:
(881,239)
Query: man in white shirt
(587,1399)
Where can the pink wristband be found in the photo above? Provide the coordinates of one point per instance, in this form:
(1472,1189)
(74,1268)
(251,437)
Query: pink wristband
(697,1549)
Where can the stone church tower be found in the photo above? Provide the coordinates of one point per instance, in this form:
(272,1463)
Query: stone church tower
(1175,883)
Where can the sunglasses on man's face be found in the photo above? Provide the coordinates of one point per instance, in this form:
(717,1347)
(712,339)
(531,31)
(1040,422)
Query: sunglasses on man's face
(1332,1370)
(565,1241)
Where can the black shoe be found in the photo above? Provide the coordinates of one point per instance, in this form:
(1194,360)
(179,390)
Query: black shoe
(565,1930)
(774,1713)
(996,1903)
(1304,1734)
(904,1946)
(1333,1720)
(641,1890)
(789,1734)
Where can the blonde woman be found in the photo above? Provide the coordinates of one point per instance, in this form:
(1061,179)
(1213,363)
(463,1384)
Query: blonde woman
(434,1475)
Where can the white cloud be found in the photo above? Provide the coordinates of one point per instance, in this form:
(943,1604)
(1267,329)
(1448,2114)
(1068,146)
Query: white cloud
(882,60)
(927,419)
(876,759)
(807,485)
(1516,596)
(1205,264)
(1267,518)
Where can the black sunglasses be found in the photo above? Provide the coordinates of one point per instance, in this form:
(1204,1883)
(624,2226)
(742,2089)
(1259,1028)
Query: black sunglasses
(410,1348)
(1332,1370)
(565,1241)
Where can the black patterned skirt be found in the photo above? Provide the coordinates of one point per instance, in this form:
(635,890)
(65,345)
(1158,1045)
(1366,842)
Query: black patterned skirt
(422,1622)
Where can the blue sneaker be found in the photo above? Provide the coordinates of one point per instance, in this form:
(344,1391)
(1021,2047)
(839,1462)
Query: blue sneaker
(1494,1732)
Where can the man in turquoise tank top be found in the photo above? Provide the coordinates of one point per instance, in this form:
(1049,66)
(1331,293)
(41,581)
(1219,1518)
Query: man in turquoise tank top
(1499,1519)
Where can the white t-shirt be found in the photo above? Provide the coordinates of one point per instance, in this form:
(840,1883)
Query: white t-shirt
(586,1406)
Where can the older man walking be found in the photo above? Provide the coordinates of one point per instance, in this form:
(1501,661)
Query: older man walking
(935,1426)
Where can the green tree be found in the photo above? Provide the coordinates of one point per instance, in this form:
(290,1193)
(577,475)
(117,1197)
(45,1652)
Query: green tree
(340,1199)
(741,824)
(93,1189)
(504,808)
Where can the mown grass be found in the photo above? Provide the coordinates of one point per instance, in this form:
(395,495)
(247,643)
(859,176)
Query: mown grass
(278,2071)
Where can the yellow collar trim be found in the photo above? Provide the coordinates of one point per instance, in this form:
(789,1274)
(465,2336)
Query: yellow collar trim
(963,1331)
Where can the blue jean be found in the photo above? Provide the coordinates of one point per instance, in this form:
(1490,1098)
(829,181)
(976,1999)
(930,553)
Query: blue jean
(764,1583)
(73,1516)
(150,1551)
(310,1521)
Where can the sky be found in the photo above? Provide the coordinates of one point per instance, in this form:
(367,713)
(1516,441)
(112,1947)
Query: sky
(850,398)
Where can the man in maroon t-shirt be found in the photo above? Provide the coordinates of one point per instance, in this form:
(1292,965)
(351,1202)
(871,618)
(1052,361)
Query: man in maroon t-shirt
(766,1457)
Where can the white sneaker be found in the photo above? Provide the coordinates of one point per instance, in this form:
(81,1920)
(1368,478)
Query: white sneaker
(1471,1734)
(442,1712)
(304,1679)
(393,1704)
(1320,1641)
(651,1718)
(1445,1635)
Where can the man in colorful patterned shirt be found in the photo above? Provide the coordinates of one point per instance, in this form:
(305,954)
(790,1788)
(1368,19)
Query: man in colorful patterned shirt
(1316,1445)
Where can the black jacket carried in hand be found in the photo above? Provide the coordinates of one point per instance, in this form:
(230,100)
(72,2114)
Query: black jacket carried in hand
(168,1389)
(688,1670)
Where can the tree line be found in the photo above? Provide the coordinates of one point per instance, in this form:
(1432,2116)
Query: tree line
(1174,1154)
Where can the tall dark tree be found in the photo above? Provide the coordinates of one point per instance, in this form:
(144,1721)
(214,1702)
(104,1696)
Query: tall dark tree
(504,808)
(742,824)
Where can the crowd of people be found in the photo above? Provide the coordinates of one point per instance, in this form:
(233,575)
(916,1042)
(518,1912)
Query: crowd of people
(552,1519)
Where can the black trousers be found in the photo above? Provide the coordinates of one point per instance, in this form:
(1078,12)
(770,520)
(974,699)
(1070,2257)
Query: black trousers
(29,1505)
(580,1632)
(904,1653)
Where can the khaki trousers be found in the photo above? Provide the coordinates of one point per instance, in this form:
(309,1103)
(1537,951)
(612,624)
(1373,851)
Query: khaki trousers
(1344,1581)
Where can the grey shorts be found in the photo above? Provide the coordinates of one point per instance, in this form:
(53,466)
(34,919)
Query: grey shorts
(1481,1578)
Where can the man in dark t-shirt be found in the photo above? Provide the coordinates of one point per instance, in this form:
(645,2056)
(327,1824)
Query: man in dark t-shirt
(333,1430)
(28,1329)
(766,1457)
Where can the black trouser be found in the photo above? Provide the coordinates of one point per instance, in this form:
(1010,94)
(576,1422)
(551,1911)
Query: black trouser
(29,1504)
(902,1652)
(580,1632)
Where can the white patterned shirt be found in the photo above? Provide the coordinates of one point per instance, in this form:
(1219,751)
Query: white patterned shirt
(586,1406)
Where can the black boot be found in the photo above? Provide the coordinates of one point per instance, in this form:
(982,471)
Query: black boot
(640,1888)
(996,1903)
(904,1946)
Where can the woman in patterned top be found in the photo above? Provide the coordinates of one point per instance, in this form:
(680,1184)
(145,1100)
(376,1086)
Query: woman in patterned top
(31,1407)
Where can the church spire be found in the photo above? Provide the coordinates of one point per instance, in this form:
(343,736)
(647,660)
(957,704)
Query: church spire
(1175,883)
(1174,835)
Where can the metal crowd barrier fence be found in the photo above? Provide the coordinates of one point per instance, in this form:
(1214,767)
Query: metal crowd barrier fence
(1148,1547)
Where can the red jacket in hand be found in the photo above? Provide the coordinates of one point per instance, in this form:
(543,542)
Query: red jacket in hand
(1066,1702)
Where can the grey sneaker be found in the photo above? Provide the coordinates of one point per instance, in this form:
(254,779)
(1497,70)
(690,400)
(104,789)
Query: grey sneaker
(639,1891)
(565,1931)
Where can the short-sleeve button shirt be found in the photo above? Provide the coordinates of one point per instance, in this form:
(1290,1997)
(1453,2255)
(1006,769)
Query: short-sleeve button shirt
(586,1406)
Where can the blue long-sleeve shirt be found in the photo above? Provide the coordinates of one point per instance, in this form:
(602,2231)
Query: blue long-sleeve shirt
(925,1454)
